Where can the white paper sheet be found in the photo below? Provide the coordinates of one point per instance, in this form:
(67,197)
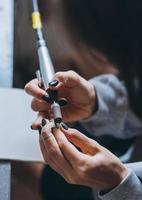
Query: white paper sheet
(17,140)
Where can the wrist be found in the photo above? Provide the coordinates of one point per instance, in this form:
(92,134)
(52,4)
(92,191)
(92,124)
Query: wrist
(116,180)
(93,100)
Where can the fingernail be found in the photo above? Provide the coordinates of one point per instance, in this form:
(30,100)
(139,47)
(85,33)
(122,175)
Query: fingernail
(39,130)
(62,102)
(43,122)
(64,126)
(53,83)
(46,98)
(32,127)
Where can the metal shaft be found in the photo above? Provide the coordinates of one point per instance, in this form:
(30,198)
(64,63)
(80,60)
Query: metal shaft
(46,66)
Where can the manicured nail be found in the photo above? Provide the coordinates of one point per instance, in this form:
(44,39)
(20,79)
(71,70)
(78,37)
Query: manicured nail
(39,130)
(62,102)
(32,127)
(64,126)
(43,122)
(46,98)
(53,83)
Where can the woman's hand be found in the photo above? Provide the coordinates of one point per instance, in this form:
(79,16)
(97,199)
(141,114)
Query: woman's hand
(79,93)
(93,166)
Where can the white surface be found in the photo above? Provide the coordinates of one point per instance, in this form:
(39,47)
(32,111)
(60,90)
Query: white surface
(6,42)
(17,140)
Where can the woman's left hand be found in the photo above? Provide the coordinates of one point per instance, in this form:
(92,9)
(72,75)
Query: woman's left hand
(92,166)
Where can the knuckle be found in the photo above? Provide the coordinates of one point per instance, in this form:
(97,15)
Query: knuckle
(39,94)
(61,75)
(73,73)
(81,162)
(44,133)
(53,152)
(58,75)
(29,85)
(61,143)
(83,170)
(73,132)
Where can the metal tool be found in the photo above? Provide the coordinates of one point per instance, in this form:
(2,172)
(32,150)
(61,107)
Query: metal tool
(46,73)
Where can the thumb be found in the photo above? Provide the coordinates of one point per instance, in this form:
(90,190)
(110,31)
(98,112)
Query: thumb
(87,145)
(67,79)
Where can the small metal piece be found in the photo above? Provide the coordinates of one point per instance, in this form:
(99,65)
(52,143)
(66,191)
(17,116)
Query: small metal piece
(38,75)
(56,113)
(46,66)
(58,125)
(35,5)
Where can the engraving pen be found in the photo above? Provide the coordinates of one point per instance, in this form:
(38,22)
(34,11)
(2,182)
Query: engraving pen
(46,73)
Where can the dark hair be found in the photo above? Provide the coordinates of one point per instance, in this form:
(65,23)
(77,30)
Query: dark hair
(113,27)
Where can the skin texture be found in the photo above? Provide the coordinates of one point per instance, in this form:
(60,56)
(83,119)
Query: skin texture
(79,93)
(92,166)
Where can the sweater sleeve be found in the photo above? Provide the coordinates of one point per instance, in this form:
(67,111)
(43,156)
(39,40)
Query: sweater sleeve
(129,189)
(113,116)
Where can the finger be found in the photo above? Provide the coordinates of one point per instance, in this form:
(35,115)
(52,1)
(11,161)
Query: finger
(53,151)
(45,155)
(64,171)
(37,123)
(34,90)
(48,159)
(70,152)
(87,145)
(43,150)
(67,79)
(39,105)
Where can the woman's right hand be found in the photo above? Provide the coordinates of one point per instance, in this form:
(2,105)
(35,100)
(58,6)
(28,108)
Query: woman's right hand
(79,159)
(80,94)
